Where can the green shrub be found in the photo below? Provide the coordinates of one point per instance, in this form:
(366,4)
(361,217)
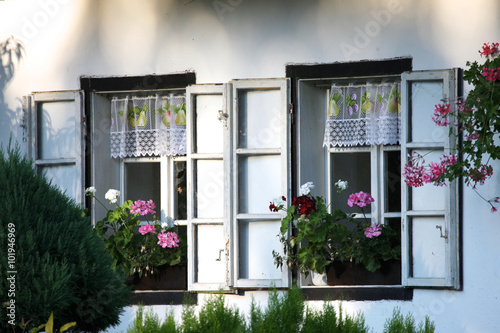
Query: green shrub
(328,321)
(215,316)
(285,311)
(401,324)
(150,322)
(61,265)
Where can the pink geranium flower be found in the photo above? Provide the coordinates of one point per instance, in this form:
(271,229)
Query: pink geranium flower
(373,231)
(147,228)
(360,199)
(168,239)
(142,207)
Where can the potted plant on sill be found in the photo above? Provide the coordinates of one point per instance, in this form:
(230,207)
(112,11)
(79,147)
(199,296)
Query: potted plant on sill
(152,255)
(335,242)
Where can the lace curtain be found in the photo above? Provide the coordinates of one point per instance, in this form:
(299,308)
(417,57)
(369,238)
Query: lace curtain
(363,115)
(146,126)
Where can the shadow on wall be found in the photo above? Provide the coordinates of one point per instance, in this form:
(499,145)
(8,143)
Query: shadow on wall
(11,54)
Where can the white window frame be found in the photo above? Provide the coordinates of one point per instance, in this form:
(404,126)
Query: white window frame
(283,151)
(378,171)
(31,104)
(311,97)
(450,214)
(192,156)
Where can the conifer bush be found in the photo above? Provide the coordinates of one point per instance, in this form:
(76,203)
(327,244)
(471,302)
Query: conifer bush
(60,264)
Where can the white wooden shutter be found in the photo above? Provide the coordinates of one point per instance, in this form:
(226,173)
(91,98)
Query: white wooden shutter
(260,172)
(430,225)
(56,140)
(209,209)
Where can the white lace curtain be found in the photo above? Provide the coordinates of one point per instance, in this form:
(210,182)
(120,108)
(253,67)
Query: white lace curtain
(363,115)
(146,126)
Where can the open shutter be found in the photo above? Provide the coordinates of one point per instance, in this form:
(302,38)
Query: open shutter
(260,172)
(208,187)
(56,140)
(430,225)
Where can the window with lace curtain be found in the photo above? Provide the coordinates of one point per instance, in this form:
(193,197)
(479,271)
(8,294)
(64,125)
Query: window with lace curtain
(148,126)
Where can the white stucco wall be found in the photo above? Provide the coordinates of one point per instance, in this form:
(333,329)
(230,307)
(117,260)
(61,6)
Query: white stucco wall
(228,39)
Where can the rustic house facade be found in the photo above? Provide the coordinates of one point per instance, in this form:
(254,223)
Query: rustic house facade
(256,78)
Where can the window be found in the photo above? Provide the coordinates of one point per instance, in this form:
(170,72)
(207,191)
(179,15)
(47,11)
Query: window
(427,218)
(238,157)
(55,139)
(248,141)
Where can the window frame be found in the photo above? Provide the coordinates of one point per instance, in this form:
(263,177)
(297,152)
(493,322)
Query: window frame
(306,75)
(452,89)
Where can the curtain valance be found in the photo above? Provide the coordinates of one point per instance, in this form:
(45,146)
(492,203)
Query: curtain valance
(147,126)
(363,115)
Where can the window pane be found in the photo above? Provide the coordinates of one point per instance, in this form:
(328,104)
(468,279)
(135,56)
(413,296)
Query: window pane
(209,189)
(429,196)
(259,181)
(393,181)
(257,240)
(208,127)
(180,190)
(64,176)
(424,95)
(210,257)
(259,119)
(142,182)
(56,130)
(354,168)
(428,247)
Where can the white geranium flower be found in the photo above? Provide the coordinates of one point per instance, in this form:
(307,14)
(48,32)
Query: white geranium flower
(306,188)
(164,225)
(90,190)
(341,185)
(112,195)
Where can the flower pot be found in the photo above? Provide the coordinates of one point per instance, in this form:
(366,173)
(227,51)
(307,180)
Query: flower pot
(164,278)
(318,279)
(342,273)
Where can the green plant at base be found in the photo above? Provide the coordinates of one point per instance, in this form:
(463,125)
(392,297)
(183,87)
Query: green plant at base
(61,264)
(49,326)
(148,321)
(328,321)
(401,324)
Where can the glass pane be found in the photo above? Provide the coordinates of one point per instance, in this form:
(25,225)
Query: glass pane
(208,127)
(424,95)
(259,181)
(209,189)
(429,196)
(392,181)
(428,247)
(180,193)
(142,182)
(257,240)
(66,177)
(259,122)
(355,168)
(56,130)
(210,257)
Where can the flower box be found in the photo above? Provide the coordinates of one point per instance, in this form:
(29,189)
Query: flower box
(164,278)
(344,273)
